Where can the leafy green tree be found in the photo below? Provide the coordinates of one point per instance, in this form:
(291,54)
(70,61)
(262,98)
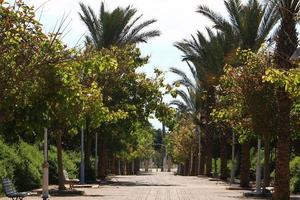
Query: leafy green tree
(115,28)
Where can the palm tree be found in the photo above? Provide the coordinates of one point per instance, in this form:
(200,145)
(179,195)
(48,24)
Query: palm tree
(117,27)
(207,55)
(248,27)
(286,44)
(189,103)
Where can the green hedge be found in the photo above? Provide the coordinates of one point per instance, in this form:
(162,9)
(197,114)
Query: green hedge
(22,163)
(8,161)
(295,175)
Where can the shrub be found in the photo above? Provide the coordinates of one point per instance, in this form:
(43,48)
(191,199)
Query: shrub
(22,163)
(295,175)
(29,172)
(8,162)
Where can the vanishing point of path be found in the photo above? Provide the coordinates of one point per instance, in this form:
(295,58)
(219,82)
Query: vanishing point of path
(158,186)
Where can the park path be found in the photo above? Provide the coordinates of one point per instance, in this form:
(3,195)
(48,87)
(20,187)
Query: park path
(158,186)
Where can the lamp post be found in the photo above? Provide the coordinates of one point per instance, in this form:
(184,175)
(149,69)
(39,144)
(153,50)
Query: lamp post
(82,158)
(199,148)
(45,194)
(164,148)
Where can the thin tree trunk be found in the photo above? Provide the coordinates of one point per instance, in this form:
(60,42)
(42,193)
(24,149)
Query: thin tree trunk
(60,167)
(223,158)
(103,159)
(113,164)
(191,163)
(119,167)
(125,167)
(195,165)
(202,162)
(208,161)
(245,165)
(146,165)
(186,167)
(136,166)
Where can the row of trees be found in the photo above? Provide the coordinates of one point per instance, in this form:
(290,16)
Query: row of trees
(44,83)
(240,85)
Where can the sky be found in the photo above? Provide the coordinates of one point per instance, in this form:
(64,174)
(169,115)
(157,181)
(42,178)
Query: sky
(177,19)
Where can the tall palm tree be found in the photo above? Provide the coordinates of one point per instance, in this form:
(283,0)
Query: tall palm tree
(286,44)
(112,28)
(248,27)
(117,27)
(189,104)
(207,55)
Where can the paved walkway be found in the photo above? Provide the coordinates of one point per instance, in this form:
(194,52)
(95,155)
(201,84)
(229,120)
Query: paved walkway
(158,186)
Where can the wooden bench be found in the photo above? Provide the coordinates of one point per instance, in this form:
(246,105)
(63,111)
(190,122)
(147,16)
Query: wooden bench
(69,181)
(10,191)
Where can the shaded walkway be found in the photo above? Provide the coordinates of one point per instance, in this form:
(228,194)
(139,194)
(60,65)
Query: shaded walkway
(158,186)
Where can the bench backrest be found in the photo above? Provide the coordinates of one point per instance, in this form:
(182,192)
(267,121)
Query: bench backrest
(8,187)
(66,175)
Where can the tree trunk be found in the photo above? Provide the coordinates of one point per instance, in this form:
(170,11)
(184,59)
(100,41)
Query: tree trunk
(146,163)
(223,158)
(267,137)
(186,167)
(136,166)
(245,165)
(286,44)
(122,167)
(191,163)
(125,167)
(208,160)
(128,168)
(87,156)
(60,167)
(202,162)
(169,164)
(282,172)
(195,165)
(113,164)
(119,167)
(103,159)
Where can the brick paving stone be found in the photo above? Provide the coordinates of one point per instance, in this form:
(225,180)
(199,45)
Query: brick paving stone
(157,186)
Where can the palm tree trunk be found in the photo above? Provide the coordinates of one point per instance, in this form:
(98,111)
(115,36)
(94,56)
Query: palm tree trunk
(245,165)
(286,44)
(282,172)
(60,167)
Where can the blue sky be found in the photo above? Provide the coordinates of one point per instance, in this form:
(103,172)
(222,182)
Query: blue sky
(177,19)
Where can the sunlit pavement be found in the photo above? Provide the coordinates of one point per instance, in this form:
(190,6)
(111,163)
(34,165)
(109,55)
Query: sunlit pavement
(157,186)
